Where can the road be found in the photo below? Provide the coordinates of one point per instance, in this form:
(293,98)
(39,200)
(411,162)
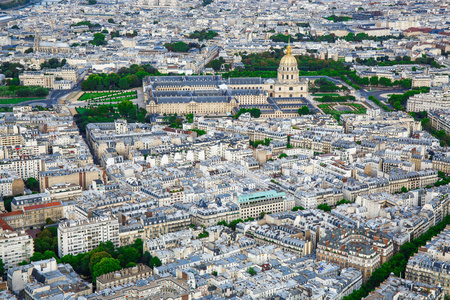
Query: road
(51,99)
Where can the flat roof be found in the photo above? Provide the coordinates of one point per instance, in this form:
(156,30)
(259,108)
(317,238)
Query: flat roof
(260,195)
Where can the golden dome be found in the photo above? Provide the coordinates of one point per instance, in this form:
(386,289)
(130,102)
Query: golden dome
(288,60)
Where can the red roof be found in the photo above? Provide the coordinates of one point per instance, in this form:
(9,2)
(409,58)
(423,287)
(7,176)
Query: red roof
(5,225)
(39,206)
(13,213)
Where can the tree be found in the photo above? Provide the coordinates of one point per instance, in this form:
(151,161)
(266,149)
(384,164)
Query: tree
(404,190)
(125,107)
(215,64)
(251,271)
(343,201)
(29,50)
(304,110)
(2,267)
(177,47)
(96,258)
(99,39)
(283,155)
(324,207)
(37,256)
(106,265)
(129,254)
(111,20)
(92,2)
(155,262)
(32,184)
(49,254)
(374,80)
(123,83)
(296,208)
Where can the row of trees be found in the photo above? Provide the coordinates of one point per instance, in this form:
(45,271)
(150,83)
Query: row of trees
(22,91)
(203,35)
(124,79)
(254,112)
(330,98)
(398,101)
(405,60)
(326,86)
(379,81)
(379,103)
(256,143)
(53,63)
(397,264)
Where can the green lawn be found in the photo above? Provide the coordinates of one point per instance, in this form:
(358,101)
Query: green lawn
(321,95)
(80,110)
(18,100)
(93,96)
(328,109)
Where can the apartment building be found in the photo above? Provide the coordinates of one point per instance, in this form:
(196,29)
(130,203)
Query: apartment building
(429,101)
(10,183)
(440,119)
(33,216)
(362,249)
(380,118)
(15,246)
(20,202)
(84,235)
(124,276)
(64,191)
(83,176)
(25,166)
(253,204)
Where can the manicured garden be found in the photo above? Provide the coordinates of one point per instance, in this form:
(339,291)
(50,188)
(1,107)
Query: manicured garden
(336,110)
(108,96)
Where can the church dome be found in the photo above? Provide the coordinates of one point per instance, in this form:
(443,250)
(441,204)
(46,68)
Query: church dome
(288,60)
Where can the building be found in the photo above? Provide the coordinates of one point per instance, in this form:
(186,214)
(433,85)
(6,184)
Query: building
(433,100)
(64,191)
(214,95)
(431,264)
(376,117)
(58,79)
(20,202)
(398,288)
(124,276)
(29,217)
(84,235)
(440,119)
(15,246)
(83,176)
(362,249)
(46,277)
(253,204)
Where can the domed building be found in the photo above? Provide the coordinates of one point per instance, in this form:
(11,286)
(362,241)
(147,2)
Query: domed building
(288,84)
(214,95)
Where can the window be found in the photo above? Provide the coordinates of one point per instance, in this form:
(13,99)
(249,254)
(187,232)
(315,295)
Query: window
(279,89)
(290,95)
(282,76)
(291,88)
